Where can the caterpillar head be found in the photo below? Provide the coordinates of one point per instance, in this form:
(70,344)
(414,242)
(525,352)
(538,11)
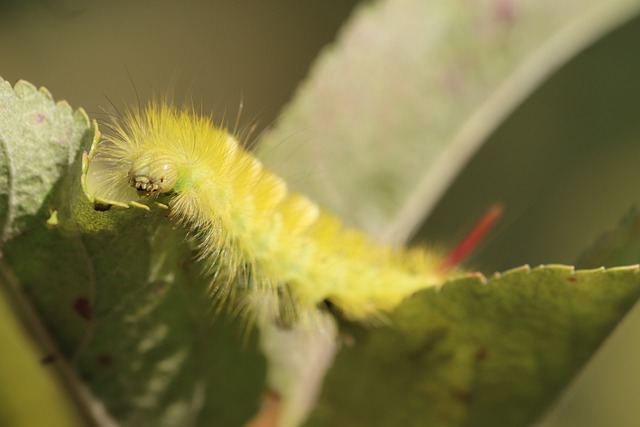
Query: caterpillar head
(153,173)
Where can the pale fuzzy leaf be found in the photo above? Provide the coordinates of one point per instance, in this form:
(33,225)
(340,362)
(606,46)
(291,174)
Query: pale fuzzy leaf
(397,107)
(39,139)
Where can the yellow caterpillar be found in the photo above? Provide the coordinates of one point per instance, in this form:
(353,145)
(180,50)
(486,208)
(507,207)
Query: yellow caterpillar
(281,254)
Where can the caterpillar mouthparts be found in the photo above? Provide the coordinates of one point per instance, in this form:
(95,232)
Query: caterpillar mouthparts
(153,173)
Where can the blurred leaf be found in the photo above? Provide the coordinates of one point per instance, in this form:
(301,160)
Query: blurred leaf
(476,353)
(27,381)
(411,90)
(570,148)
(120,295)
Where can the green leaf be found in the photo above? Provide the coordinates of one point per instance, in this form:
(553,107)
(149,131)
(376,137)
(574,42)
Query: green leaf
(127,307)
(476,352)
(604,393)
(39,139)
(392,113)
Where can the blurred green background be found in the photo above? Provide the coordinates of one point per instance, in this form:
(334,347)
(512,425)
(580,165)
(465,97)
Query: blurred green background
(564,164)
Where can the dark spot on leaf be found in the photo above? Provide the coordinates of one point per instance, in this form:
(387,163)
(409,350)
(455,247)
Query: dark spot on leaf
(48,359)
(104,360)
(460,395)
(101,207)
(82,306)
(572,278)
(481,354)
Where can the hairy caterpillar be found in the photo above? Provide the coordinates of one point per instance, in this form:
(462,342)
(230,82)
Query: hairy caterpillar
(284,254)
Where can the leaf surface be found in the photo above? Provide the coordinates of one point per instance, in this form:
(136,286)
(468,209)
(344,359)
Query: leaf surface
(476,352)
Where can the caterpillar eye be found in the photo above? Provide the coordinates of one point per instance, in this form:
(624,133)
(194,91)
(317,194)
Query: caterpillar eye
(153,174)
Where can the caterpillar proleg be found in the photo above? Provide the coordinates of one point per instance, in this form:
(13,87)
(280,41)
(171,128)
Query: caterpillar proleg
(279,252)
